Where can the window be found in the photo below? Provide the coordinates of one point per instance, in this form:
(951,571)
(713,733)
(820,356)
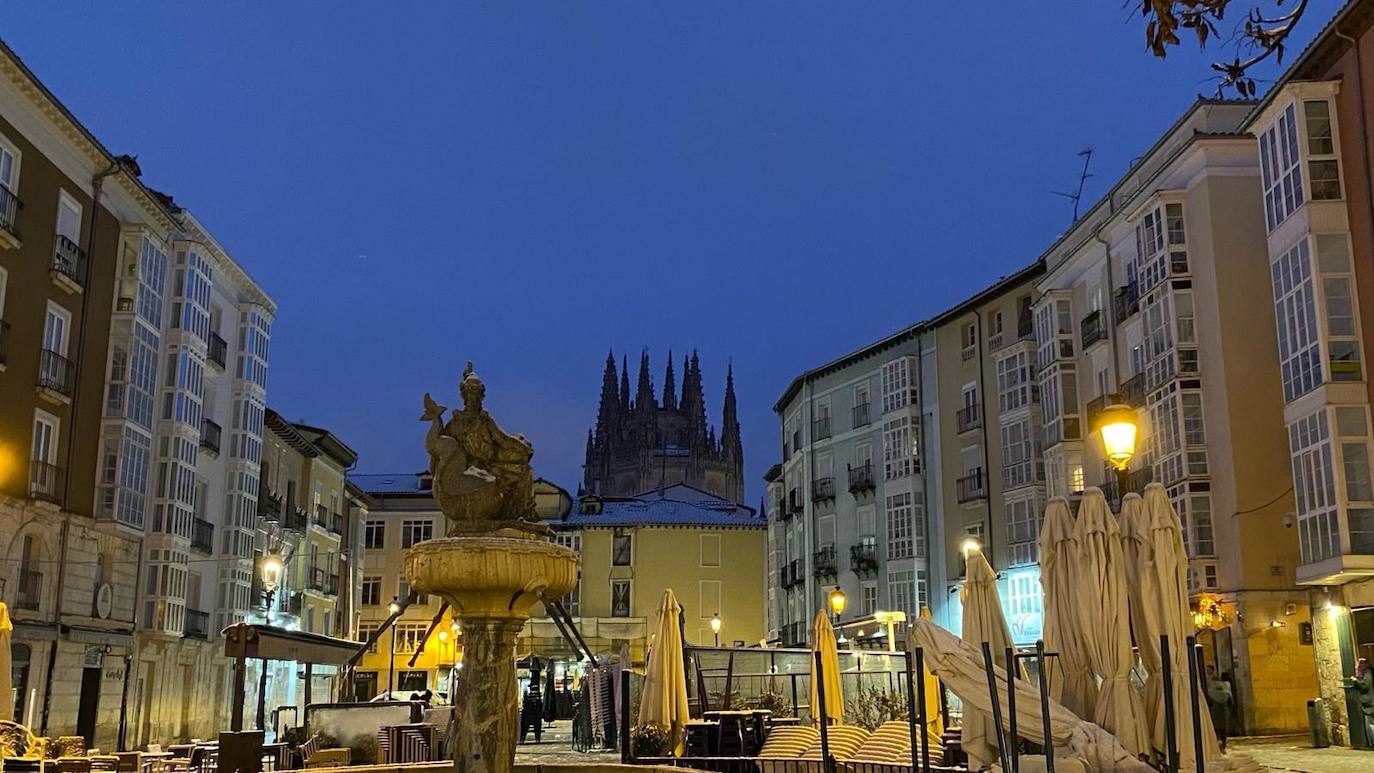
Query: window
(1296,316)
(1338,303)
(1024,599)
(1020,463)
(1023,531)
(372,591)
(620,598)
(68,217)
(56,329)
(409,636)
(899,526)
(870,598)
(1282,174)
(9,166)
(622,548)
(569,539)
(1314,487)
(374,535)
(1014,381)
(416,531)
(45,437)
(403,591)
(1322,169)
(899,448)
(968,340)
(861,406)
(899,388)
(996,323)
(901,593)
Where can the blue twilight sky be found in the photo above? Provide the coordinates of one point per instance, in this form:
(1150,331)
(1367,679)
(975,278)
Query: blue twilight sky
(530,184)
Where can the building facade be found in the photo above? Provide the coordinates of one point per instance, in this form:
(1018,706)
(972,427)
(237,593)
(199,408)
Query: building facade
(1317,215)
(641,444)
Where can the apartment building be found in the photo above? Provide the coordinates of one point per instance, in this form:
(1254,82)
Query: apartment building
(70,576)
(1317,215)
(848,503)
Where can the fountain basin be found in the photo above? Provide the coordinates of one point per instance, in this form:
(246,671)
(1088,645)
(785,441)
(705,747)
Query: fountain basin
(492,576)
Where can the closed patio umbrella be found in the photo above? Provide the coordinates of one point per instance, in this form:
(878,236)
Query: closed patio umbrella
(6,688)
(984,621)
(823,641)
(663,702)
(1171,615)
(1103,615)
(1070,675)
(1143,593)
(935,722)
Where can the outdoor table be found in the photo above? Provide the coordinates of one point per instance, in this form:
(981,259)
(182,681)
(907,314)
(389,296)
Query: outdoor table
(784,721)
(699,736)
(733,729)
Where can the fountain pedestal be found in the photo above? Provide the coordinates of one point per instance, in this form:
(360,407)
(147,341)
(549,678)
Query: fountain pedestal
(490,581)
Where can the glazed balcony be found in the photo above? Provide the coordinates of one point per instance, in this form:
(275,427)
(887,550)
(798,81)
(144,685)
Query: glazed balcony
(861,478)
(824,563)
(9,217)
(45,482)
(218,351)
(968,418)
(972,487)
(68,270)
(210,436)
(823,489)
(781,510)
(196,625)
(861,415)
(202,536)
(56,376)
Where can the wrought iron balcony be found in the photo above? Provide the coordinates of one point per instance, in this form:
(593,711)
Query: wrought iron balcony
(1132,391)
(822,489)
(861,478)
(295,518)
(972,487)
(4,343)
(45,482)
(9,212)
(30,590)
(56,374)
(793,573)
(820,429)
(210,435)
(968,418)
(219,349)
(861,415)
(294,603)
(1093,329)
(863,557)
(794,501)
(269,506)
(824,563)
(196,625)
(781,510)
(202,536)
(68,263)
(1126,301)
(321,517)
(336,523)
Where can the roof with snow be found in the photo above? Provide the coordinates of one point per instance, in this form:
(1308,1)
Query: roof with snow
(679,505)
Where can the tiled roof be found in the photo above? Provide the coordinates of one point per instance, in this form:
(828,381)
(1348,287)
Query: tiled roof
(679,505)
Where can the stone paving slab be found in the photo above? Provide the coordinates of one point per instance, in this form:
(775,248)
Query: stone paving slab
(1295,753)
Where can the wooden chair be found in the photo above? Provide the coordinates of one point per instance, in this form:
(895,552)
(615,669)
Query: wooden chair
(129,762)
(313,755)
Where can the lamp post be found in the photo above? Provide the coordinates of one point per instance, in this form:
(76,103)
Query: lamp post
(395,609)
(1117,427)
(715,627)
(270,568)
(837,602)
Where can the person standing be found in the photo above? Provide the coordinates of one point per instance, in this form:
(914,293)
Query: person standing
(1219,700)
(1363,684)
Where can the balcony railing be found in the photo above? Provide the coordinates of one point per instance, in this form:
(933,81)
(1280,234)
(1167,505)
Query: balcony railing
(793,573)
(820,429)
(1093,330)
(972,487)
(336,522)
(781,510)
(861,478)
(295,518)
(294,603)
(218,350)
(824,563)
(9,211)
(794,501)
(1025,325)
(1132,391)
(196,625)
(321,517)
(30,589)
(863,557)
(69,260)
(45,482)
(210,436)
(822,489)
(269,506)
(860,413)
(323,582)
(968,418)
(56,373)
(1126,301)
(202,535)
(4,343)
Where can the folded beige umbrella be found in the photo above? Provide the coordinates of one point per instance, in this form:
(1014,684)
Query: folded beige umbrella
(1142,591)
(1070,675)
(6,659)
(1172,616)
(823,641)
(1103,617)
(663,701)
(983,622)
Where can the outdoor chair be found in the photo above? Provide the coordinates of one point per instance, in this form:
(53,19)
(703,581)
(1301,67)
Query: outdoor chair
(129,762)
(71,765)
(106,763)
(844,741)
(787,743)
(313,755)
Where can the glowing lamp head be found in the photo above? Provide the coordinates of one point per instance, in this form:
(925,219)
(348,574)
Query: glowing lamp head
(715,623)
(394,608)
(1117,427)
(443,636)
(837,601)
(969,546)
(271,568)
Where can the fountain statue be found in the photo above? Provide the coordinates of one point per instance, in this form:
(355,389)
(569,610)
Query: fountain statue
(493,564)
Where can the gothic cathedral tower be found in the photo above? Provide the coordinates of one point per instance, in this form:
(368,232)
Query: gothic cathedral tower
(644,443)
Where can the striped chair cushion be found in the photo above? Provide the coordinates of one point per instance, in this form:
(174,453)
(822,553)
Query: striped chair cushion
(788,743)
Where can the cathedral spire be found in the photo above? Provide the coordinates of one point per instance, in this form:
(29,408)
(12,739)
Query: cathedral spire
(644,394)
(730,442)
(624,384)
(669,386)
(610,398)
(697,416)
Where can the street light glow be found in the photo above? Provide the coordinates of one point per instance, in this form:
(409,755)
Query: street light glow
(969,546)
(715,623)
(393,607)
(838,601)
(271,568)
(1117,426)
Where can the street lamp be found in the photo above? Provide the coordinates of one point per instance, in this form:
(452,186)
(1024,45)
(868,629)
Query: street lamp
(837,602)
(395,609)
(270,568)
(1117,426)
(715,627)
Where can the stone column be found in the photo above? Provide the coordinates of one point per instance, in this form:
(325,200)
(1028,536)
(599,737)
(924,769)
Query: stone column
(486,696)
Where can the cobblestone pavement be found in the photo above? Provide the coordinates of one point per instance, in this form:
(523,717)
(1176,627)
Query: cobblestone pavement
(555,747)
(1294,753)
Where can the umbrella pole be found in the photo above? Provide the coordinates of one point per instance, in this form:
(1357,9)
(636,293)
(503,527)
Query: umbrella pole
(1014,737)
(626,748)
(1170,728)
(1045,705)
(818,676)
(911,710)
(1194,669)
(996,707)
(921,710)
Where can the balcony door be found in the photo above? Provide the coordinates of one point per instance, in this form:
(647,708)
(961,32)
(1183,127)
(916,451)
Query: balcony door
(56,329)
(44,438)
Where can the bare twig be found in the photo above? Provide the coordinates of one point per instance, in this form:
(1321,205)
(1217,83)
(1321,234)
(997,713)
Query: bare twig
(1260,37)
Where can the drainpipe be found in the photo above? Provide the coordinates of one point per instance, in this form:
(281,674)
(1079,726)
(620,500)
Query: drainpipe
(983,432)
(1108,310)
(931,542)
(97,181)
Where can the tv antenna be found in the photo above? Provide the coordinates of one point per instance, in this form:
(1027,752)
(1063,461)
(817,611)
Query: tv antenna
(1087,155)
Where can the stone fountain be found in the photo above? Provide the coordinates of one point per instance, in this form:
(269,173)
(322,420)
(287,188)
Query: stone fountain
(494,563)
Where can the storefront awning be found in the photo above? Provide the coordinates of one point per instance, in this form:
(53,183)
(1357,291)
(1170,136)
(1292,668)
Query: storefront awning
(272,643)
